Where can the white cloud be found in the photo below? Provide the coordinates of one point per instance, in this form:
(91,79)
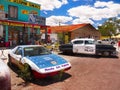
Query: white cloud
(75,0)
(103,4)
(56,20)
(82,20)
(109,9)
(64,2)
(88,0)
(50,4)
(99,11)
(81,14)
(81,11)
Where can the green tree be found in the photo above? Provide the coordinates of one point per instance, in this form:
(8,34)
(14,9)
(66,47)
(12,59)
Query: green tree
(110,27)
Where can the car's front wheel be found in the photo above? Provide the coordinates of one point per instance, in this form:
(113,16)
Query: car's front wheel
(26,72)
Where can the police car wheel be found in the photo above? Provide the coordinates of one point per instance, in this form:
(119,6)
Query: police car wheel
(106,53)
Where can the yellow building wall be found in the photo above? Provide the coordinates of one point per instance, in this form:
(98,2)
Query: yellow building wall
(104,37)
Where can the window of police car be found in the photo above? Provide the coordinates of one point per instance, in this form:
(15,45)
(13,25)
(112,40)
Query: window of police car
(89,42)
(78,42)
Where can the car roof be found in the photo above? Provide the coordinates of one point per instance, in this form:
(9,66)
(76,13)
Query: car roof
(83,39)
(23,46)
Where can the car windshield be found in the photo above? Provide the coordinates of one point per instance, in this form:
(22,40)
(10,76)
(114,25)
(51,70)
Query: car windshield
(35,51)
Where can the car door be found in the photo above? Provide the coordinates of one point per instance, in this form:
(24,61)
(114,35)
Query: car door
(89,47)
(78,46)
(17,55)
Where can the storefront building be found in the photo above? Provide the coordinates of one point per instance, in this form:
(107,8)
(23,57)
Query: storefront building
(19,21)
(68,32)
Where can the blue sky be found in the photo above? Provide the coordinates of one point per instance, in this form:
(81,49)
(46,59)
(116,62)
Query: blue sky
(65,12)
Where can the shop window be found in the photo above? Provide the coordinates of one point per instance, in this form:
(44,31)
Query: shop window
(13,12)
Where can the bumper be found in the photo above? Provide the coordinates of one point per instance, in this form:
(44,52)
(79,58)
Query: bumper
(38,75)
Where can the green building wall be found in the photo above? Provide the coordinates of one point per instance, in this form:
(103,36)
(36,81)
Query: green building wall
(24,9)
(23,6)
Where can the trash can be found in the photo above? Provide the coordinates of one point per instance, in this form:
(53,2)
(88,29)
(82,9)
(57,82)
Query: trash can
(5,78)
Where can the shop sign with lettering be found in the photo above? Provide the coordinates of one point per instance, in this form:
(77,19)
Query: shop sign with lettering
(25,3)
(4,23)
(16,24)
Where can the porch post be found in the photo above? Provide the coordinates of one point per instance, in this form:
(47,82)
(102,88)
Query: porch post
(7,43)
(46,36)
(6,33)
(28,33)
(38,31)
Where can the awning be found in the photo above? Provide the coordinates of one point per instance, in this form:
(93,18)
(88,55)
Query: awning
(21,24)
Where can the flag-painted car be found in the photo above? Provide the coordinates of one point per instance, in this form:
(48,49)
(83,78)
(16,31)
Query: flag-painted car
(37,60)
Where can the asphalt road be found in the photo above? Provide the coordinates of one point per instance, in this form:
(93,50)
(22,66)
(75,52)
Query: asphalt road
(87,73)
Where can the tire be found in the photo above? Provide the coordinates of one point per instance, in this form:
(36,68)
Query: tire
(65,52)
(26,73)
(106,53)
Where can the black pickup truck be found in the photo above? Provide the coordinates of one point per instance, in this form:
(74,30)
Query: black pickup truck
(88,46)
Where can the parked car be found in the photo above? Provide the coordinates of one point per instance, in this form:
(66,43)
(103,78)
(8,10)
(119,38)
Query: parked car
(38,61)
(107,41)
(88,46)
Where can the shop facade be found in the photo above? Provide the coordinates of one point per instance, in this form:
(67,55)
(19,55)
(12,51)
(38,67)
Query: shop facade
(68,32)
(20,20)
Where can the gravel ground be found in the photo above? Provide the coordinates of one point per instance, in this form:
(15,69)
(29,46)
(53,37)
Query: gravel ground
(87,73)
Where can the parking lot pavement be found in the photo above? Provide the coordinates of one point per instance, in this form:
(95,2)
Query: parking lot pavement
(88,73)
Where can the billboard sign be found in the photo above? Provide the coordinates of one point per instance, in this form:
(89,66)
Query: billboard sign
(33,18)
